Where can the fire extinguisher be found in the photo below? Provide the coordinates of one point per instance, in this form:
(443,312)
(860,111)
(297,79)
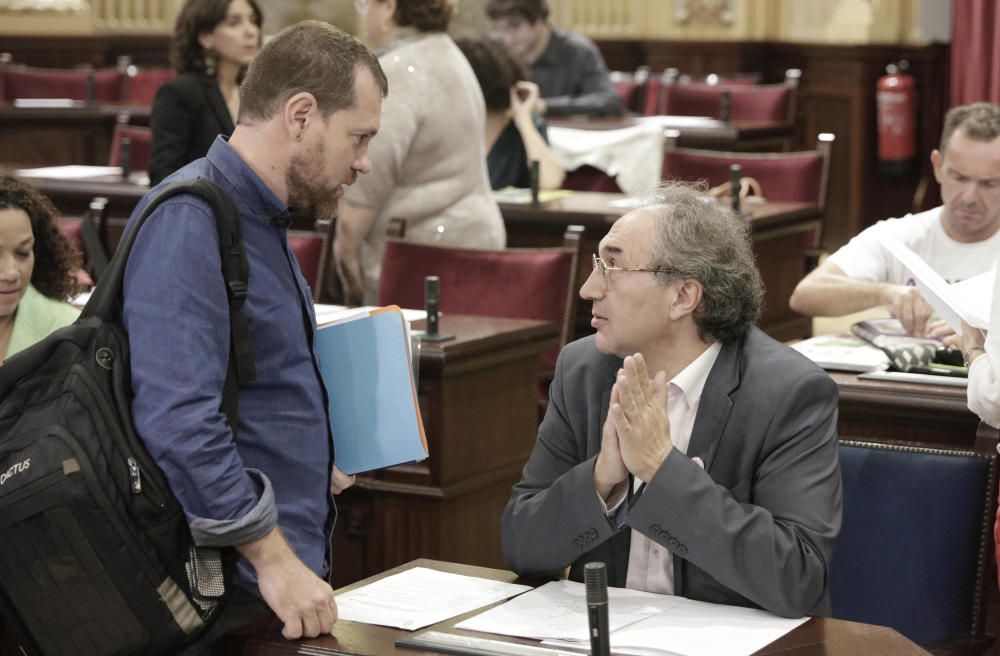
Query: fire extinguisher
(896,103)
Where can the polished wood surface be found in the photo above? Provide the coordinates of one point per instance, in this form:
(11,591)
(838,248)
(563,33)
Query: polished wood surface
(880,410)
(817,637)
(53,136)
(779,231)
(478,401)
(737,135)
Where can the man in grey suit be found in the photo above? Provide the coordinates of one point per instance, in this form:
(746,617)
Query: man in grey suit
(717,478)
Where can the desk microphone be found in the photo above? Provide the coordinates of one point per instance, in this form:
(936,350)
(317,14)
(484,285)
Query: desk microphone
(432,297)
(595,576)
(125,157)
(535,180)
(735,185)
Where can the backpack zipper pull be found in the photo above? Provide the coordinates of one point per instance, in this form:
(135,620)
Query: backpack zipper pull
(134,476)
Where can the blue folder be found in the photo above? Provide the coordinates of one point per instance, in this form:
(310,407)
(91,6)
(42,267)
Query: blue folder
(374,415)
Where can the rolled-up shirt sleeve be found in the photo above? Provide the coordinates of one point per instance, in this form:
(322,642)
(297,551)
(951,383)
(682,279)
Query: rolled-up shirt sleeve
(176,314)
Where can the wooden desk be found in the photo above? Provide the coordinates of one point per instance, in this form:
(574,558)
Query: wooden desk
(52,136)
(817,637)
(881,410)
(478,400)
(736,136)
(778,242)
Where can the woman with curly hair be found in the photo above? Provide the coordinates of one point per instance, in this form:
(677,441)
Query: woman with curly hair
(36,268)
(428,162)
(213,43)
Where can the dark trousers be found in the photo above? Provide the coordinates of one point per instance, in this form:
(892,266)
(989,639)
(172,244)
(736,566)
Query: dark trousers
(242,608)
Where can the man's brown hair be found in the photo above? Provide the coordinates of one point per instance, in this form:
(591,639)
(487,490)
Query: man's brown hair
(313,57)
(531,10)
(424,15)
(980,121)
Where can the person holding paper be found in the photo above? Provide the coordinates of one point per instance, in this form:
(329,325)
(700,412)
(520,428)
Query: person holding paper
(311,102)
(982,357)
(958,239)
(682,446)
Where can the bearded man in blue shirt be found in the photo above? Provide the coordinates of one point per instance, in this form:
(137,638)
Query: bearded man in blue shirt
(310,104)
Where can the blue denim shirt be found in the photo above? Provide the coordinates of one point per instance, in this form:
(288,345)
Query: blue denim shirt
(177,317)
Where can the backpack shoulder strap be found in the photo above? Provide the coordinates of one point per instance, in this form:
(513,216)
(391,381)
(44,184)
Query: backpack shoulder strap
(107,295)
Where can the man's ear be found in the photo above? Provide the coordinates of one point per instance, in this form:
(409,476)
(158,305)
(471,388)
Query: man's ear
(936,160)
(300,113)
(687,299)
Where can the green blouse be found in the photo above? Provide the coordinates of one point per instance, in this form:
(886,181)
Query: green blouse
(38,315)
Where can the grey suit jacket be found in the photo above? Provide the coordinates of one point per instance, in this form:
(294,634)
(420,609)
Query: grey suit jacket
(755,527)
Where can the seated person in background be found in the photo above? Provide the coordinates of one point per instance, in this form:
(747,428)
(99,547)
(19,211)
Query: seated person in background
(429,160)
(213,42)
(515,133)
(982,357)
(705,463)
(36,268)
(960,239)
(568,68)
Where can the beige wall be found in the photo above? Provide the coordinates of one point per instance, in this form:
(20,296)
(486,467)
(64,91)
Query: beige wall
(807,21)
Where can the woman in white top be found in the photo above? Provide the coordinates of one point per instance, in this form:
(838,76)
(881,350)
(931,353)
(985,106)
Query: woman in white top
(428,159)
(982,357)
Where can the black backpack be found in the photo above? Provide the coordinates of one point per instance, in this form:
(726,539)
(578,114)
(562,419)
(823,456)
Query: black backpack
(96,557)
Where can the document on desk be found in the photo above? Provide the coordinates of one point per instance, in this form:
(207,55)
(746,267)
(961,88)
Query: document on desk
(366,365)
(69,172)
(420,597)
(641,623)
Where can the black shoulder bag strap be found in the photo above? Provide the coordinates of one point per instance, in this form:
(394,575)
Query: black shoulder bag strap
(104,302)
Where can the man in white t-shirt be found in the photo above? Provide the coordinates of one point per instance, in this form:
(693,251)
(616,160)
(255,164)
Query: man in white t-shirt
(958,239)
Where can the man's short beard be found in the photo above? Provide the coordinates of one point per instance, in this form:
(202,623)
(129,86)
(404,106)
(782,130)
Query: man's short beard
(306,197)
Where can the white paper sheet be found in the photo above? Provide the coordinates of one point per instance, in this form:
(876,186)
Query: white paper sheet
(641,623)
(326,313)
(558,609)
(968,300)
(69,172)
(420,597)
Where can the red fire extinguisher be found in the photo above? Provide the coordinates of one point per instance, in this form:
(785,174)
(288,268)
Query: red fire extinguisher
(896,103)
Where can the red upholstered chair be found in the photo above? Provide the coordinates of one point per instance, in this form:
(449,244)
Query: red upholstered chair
(725,79)
(631,87)
(31,82)
(797,176)
(312,249)
(140,146)
(141,84)
(518,283)
(764,102)
(589,178)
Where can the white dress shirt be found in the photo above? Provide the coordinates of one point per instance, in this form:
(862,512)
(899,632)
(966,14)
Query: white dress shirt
(650,565)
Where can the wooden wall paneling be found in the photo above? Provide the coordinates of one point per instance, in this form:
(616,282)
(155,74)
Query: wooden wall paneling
(79,50)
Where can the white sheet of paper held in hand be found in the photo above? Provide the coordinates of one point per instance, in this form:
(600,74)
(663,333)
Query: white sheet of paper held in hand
(558,609)
(967,301)
(420,597)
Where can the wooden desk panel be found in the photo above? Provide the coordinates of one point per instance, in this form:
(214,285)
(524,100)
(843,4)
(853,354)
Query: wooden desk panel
(779,243)
(53,136)
(478,400)
(817,637)
(881,410)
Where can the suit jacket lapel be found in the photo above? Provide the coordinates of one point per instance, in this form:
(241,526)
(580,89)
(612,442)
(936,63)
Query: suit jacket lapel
(716,404)
(218,103)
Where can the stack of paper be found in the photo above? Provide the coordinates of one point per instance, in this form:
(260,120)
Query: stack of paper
(420,597)
(639,622)
(843,353)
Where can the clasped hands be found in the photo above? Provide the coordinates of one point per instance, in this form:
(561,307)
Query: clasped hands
(636,434)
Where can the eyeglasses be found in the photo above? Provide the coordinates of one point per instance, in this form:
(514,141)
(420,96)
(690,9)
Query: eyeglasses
(361,6)
(602,268)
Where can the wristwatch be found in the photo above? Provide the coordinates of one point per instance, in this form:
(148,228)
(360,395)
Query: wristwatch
(972,351)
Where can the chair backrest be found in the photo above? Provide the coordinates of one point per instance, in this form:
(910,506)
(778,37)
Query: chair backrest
(631,87)
(141,84)
(517,283)
(140,146)
(31,82)
(743,102)
(589,178)
(312,250)
(915,543)
(797,176)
